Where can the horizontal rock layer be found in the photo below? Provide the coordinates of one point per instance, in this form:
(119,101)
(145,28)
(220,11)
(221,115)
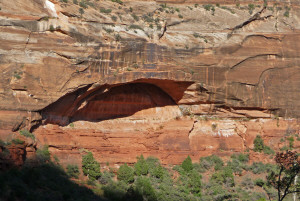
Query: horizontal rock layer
(142,60)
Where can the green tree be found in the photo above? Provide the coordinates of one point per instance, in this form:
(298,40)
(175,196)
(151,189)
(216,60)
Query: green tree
(194,183)
(141,167)
(125,173)
(90,166)
(144,187)
(284,179)
(258,144)
(187,164)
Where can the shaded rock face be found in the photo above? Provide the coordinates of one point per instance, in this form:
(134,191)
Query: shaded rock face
(107,103)
(143,65)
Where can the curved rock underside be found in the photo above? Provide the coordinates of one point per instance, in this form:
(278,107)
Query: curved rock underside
(147,78)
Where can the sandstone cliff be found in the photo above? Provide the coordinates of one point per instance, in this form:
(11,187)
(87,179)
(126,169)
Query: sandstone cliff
(164,78)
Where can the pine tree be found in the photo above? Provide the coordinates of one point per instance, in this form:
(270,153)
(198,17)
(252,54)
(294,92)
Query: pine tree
(187,164)
(141,167)
(90,166)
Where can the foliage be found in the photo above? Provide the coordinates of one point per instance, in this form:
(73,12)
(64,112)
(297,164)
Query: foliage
(125,173)
(73,171)
(251,7)
(118,1)
(237,166)
(52,28)
(141,167)
(207,162)
(259,182)
(17,141)
(283,179)
(144,187)
(81,11)
(26,133)
(224,176)
(106,177)
(43,154)
(243,158)
(187,164)
(90,166)
(106,11)
(259,146)
(114,18)
(247,183)
(134,26)
(83,4)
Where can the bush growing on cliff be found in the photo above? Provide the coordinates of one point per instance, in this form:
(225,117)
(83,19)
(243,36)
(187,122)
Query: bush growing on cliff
(90,166)
(26,133)
(259,146)
(125,173)
(187,164)
(141,167)
(144,188)
(73,171)
(17,141)
(43,154)
(207,162)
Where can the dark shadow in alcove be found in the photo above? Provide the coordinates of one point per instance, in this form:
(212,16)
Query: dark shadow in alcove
(113,101)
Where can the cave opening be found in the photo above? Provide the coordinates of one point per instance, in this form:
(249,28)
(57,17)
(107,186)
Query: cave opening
(114,101)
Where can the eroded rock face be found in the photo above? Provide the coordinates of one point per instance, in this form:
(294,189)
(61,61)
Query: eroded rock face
(146,63)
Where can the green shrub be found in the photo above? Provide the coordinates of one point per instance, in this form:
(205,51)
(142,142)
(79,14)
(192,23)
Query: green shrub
(207,7)
(134,26)
(247,183)
(158,172)
(64,1)
(194,183)
(258,144)
(236,166)
(291,142)
(114,18)
(106,177)
(135,17)
(187,164)
(125,173)
(118,37)
(75,2)
(26,133)
(43,154)
(224,176)
(117,1)
(90,166)
(207,162)
(258,168)
(141,167)
(268,150)
(73,171)
(144,188)
(244,158)
(180,16)
(259,182)
(106,11)
(52,28)
(115,190)
(83,4)
(17,141)
(81,11)
(251,7)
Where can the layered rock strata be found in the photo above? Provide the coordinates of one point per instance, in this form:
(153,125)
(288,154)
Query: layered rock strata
(146,63)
